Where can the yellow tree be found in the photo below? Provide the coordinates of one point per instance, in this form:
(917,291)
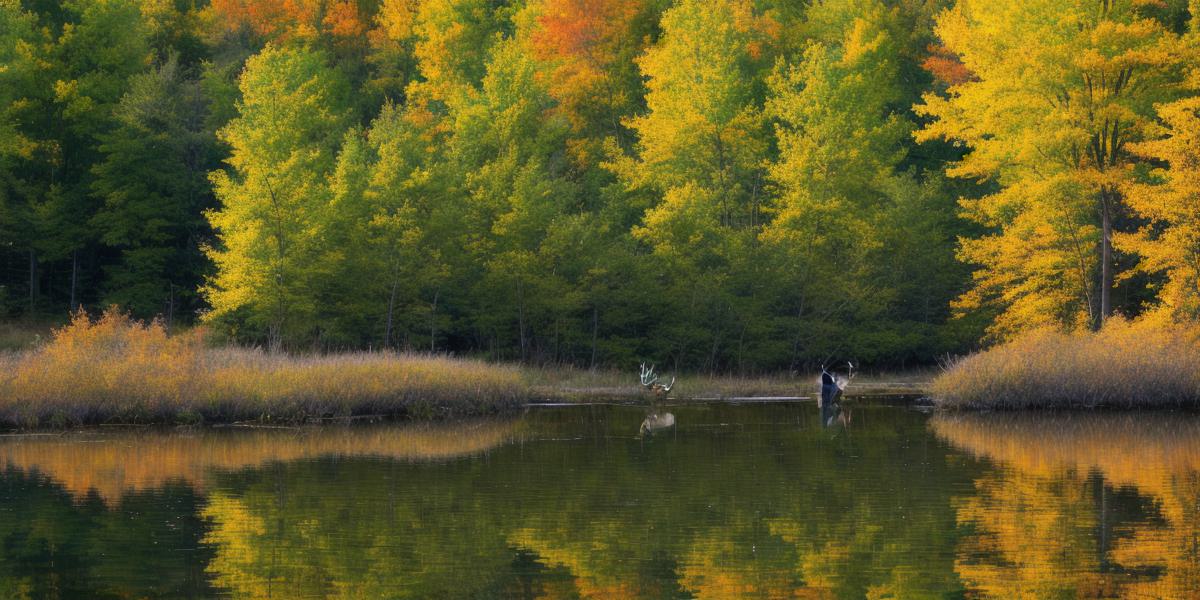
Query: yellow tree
(272,222)
(1170,243)
(1059,90)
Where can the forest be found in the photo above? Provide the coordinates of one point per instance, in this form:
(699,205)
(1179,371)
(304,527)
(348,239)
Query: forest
(716,185)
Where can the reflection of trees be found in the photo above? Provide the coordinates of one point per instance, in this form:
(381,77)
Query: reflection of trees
(54,545)
(1095,504)
(114,464)
(750,510)
(768,512)
(779,512)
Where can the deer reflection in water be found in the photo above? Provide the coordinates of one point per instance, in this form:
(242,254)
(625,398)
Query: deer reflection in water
(656,421)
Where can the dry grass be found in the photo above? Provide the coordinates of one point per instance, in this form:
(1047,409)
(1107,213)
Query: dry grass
(1126,365)
(23,335)
(117,370)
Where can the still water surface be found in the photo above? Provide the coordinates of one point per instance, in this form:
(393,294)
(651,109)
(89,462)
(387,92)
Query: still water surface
(715,501)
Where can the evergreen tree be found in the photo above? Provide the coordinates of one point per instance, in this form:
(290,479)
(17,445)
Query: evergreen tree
(153,183)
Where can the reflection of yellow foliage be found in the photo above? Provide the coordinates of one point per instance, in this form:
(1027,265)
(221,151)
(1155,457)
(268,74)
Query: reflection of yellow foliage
(715,567)
(580,559)
(1032,538)
(712,566)
(1042,495)
(112,464)
(238,538)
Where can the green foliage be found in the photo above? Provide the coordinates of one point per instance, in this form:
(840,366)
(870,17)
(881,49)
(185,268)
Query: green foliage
(153,181)
(729,185)
(273,252)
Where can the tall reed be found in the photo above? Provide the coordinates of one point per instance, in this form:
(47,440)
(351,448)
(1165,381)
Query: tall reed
(115,369)
(1125,365)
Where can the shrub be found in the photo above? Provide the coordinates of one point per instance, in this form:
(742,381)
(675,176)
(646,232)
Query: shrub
(1125,365)
(115,369)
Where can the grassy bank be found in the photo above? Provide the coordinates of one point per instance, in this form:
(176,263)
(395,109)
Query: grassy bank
(1126,365)
(114,370)
(567,384)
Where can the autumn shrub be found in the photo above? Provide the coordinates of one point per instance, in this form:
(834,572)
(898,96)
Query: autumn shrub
(115,369)
(1125,365)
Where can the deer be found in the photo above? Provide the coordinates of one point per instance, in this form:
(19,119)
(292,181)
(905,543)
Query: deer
(650,382)
(656,421)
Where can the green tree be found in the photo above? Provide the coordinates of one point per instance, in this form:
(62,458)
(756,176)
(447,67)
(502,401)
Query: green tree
(701,146)
(856,241)
(153,181)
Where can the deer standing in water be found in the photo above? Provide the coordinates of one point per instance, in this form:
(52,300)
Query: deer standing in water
(650,382)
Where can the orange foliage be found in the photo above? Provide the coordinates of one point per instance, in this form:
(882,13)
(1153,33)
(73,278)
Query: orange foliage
(342,20)
(945,66)
(584,39)
(278,20)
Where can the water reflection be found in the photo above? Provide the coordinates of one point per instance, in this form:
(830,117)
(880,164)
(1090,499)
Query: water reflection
(111,464)
(1082,505)
(744,501)
(656,420)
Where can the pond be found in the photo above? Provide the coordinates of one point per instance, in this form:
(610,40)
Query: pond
(603,501)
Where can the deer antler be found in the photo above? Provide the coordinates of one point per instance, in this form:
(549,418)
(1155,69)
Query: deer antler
(648,378)
(667,388)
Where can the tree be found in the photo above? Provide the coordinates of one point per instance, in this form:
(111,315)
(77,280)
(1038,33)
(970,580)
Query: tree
(506,145)
(454,40)
(19,79)
(153,183)
(701,146)
(292,117)
(1169,243)
(1059,91)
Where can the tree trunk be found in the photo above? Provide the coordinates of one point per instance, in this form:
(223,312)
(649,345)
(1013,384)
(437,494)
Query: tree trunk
(595,327)
(521,320)
(32,280)
(433,323)
(74,276)
(170,306)
(1106,274)
(387,332)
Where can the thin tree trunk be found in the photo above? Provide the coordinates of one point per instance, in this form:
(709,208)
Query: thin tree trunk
(387,332)
(433,323)
(521,319)
(1106,274)
(595,327)
(32,280)
(170,305)
(74,276)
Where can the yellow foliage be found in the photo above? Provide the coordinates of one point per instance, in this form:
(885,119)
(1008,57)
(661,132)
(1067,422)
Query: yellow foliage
(1059,91)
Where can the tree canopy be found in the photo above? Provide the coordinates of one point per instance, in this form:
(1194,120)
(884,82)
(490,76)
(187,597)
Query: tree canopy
(722,185)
